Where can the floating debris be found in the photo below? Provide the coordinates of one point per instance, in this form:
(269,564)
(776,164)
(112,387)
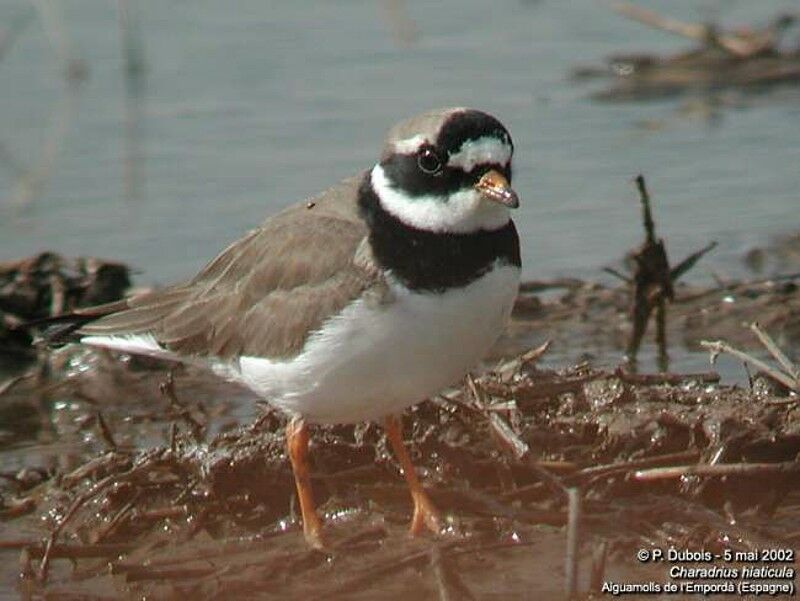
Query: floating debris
(746,59)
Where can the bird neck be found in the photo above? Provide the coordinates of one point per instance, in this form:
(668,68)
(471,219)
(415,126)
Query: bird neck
(433,261)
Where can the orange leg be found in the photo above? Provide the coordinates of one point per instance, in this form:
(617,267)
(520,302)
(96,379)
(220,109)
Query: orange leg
(297,444)
(425,514)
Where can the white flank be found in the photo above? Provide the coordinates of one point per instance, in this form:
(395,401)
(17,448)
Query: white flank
(462,212)
(410,145)
(375,359)
(487,149)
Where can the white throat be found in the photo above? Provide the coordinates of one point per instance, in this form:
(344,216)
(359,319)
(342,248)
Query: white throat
(461,212)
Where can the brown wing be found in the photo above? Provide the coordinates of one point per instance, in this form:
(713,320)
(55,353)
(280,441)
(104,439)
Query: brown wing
(265,293)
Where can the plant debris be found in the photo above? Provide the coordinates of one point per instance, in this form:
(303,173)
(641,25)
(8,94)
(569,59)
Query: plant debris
(745,59)
(652,459)
(48,285)
(653,282)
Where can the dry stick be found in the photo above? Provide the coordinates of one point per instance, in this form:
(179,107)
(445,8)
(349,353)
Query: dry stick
(88,469)
(374,573)
(36,550)
(76,505)
(208,553)
(647,214)
(618,274)
(776,278)
(709,377)
(652,283)
(115,522)
(163,513)
(449,583)
(491,507)
(147,573)
(716,347)
(541,285)
(647,17)
(776,352)
(681,268)
(79,502)
(511,443)
(14,508)
(507,369)
(370,576)
(173,437)
(105,432)
(167,388)
(661,333)
(58,292)
(550,389)
(11,382)
(506,438)
(705,34)
(533,355)
(718,470)
(597,575)
(597,471)
(573,542)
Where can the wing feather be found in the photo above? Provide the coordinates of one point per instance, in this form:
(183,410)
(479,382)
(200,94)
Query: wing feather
(266,293)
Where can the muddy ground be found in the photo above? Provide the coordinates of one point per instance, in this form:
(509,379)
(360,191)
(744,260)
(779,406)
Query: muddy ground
(112,489)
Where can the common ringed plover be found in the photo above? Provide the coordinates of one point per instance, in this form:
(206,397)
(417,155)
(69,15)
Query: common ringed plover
(356,303)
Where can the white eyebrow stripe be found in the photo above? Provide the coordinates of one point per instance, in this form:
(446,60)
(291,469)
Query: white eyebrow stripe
(487,149)
(410,145)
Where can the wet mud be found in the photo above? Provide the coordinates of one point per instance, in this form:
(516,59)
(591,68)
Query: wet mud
(131,493)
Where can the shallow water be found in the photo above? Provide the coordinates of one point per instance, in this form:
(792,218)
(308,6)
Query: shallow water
(243,111)
(246,109)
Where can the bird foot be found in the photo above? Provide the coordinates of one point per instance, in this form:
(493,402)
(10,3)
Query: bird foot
(425,516)
(314,537)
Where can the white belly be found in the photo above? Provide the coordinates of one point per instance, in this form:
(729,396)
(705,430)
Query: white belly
(373,360)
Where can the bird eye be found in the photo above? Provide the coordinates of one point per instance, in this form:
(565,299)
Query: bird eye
(429,161)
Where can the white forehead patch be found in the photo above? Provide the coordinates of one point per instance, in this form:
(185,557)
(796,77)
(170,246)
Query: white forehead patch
(410,145)
(461,212)
(487,149)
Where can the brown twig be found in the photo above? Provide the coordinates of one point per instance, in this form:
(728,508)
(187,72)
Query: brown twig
(450,585)
(738,45)
(72,551)
(145,573)
(14,508)
(789,367)
(611,469)
(167,388)
(717,347)
(597,574)
(618,274)
(653,282)
(710,377)
(80,501)
(509,442)
(105,462)
(689,262)
(73,509)
(573,543)
(542,285)
(718,470)
(108,529)
(105,432)
(12,382)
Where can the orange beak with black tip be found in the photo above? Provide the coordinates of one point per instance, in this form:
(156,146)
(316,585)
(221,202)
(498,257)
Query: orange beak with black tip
(494,186)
